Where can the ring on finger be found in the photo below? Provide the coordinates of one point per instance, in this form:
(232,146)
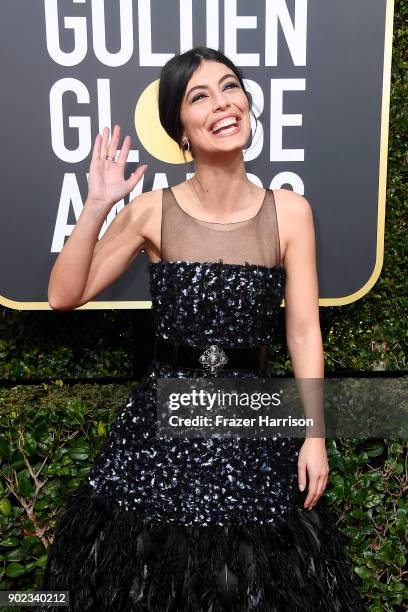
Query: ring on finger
(111,157)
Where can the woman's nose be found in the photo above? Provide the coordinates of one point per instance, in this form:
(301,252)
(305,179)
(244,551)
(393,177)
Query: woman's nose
(220,101)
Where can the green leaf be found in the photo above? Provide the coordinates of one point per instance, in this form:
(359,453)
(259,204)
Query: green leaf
(374,500)
(78,454)
(375,450)
(5,449)
(30,444)
(42,561)
(14,570)
(30,541)
(25,485)
(41,504)
(9,541)
(101,429)
(5,506)
(364,572)
(17,554)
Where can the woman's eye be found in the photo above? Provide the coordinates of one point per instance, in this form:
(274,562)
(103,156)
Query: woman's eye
(197,97)
(232,84)
(229,85)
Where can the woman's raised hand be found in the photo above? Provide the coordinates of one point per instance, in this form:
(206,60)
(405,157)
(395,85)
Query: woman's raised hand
(106,183)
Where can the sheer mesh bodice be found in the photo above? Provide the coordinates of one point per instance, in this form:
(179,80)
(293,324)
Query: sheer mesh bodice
(186,238)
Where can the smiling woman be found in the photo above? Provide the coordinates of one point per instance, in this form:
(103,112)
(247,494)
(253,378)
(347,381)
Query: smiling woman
(195,105)
(200,524)
(221,83)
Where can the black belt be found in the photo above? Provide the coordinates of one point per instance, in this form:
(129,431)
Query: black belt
(211,357)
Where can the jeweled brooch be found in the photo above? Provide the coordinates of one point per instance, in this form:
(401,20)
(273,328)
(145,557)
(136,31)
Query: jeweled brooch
(213,358)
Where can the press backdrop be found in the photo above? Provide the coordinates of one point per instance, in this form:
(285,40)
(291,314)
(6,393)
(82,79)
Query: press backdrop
(319,74)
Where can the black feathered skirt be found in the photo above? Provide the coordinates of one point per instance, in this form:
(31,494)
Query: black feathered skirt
(111,561)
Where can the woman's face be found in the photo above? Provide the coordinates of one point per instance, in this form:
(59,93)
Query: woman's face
(214,94)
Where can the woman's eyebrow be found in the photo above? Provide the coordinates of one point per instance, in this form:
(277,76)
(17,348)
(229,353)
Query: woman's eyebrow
(226,76)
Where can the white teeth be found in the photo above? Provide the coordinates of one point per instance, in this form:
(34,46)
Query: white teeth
(224,123)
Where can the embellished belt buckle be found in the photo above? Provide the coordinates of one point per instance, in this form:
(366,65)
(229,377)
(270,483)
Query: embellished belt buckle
(213,357)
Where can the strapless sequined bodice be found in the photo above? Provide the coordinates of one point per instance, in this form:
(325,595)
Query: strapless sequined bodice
(234,305)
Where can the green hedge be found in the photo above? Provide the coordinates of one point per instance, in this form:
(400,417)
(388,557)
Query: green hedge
(50,435)
(50,438)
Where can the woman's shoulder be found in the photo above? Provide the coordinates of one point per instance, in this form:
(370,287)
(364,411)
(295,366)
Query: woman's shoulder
(146,204)
(291,204)
(147,197)
(291,198)
(294,215)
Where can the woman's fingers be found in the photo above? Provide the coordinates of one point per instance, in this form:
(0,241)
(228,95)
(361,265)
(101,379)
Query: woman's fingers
(302,476)
(135,177)
(312,489)
(319,491)
(315,494)
(104,147)
(96,152)
(114,143)
(104,143)
(321,488)
(316,490)
(124,152)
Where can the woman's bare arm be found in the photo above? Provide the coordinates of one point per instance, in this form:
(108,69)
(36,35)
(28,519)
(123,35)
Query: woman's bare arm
(302,292)
(303,334)
(86,266)
(101,266)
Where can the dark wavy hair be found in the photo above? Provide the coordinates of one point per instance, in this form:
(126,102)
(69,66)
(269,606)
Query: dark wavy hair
(174,77)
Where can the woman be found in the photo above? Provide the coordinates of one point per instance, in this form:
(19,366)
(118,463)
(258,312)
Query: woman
(194,524)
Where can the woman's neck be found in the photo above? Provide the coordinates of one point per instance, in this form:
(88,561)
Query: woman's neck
(221,184)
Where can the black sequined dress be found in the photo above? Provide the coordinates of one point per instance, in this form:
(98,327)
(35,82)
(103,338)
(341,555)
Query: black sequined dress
(201,524)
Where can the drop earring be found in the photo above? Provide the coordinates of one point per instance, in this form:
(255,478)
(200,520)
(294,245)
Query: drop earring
(185,143)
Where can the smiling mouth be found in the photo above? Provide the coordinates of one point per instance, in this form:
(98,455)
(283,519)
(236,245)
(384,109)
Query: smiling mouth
(226,126)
